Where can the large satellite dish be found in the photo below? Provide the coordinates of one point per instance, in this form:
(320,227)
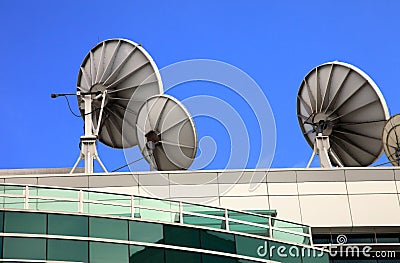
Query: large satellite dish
(391,139)
(114,80)
(341,113)
(166,134)
(122,69)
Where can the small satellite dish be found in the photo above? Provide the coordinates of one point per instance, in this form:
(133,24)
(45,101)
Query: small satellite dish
(114,73)
(341,113)
(166,134)
(122,69)
(391,139)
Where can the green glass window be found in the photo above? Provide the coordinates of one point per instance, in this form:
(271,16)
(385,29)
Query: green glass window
(12,189)
(387,238)
(249,229)
(106,209)
(49,192)
(217,259)
(359,238)
(314,256)
(290,226)
(252,247)
(151,214)
(146,254)
(115,198)
(204,221)
(173,256)
(1,221)
(322,239)
(360,261)
(284,252)
(53,205)
(108,228)
(149,202)
(146,232)
(108,252)
(218,241)
(203,210)
(68,225)
(248,217)
(33,248)
(13,202)
(380,261)
(21,222)
(67,250)
(182,236)
(290,237)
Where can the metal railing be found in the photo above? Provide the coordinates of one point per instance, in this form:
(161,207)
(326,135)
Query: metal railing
(57,199)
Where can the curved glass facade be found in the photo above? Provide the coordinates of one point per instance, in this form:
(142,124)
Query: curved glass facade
(41,237)
(45,198)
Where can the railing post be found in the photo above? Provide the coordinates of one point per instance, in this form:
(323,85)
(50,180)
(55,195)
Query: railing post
(270,226)
(226,219)
(26,197)
(180,213)
(132,206)
(80,201)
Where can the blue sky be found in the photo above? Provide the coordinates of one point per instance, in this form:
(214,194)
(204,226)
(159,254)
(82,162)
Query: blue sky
(275,42)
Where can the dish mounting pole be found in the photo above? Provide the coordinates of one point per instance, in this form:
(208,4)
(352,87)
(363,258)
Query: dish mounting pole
(88,140)
(322,148)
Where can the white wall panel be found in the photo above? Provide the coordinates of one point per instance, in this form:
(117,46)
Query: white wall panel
(282,189)
(375,209)
(374,187)
(130,190)
(316,188)
(287,207)
(158,191)
(325,210)
(242,189)
(205,190)
(245,203)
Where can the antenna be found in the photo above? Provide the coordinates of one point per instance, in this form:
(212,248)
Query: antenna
(391,139)
(112,73)
(166,134)
(341,113)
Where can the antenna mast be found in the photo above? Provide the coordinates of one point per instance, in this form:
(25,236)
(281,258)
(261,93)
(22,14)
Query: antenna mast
(88,140)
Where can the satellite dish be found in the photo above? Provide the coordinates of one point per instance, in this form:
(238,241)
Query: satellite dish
(114,73)
(341,113)
(166,134)
(391,139)
(122,69)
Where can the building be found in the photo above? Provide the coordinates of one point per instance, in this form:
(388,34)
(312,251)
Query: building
(276,215)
